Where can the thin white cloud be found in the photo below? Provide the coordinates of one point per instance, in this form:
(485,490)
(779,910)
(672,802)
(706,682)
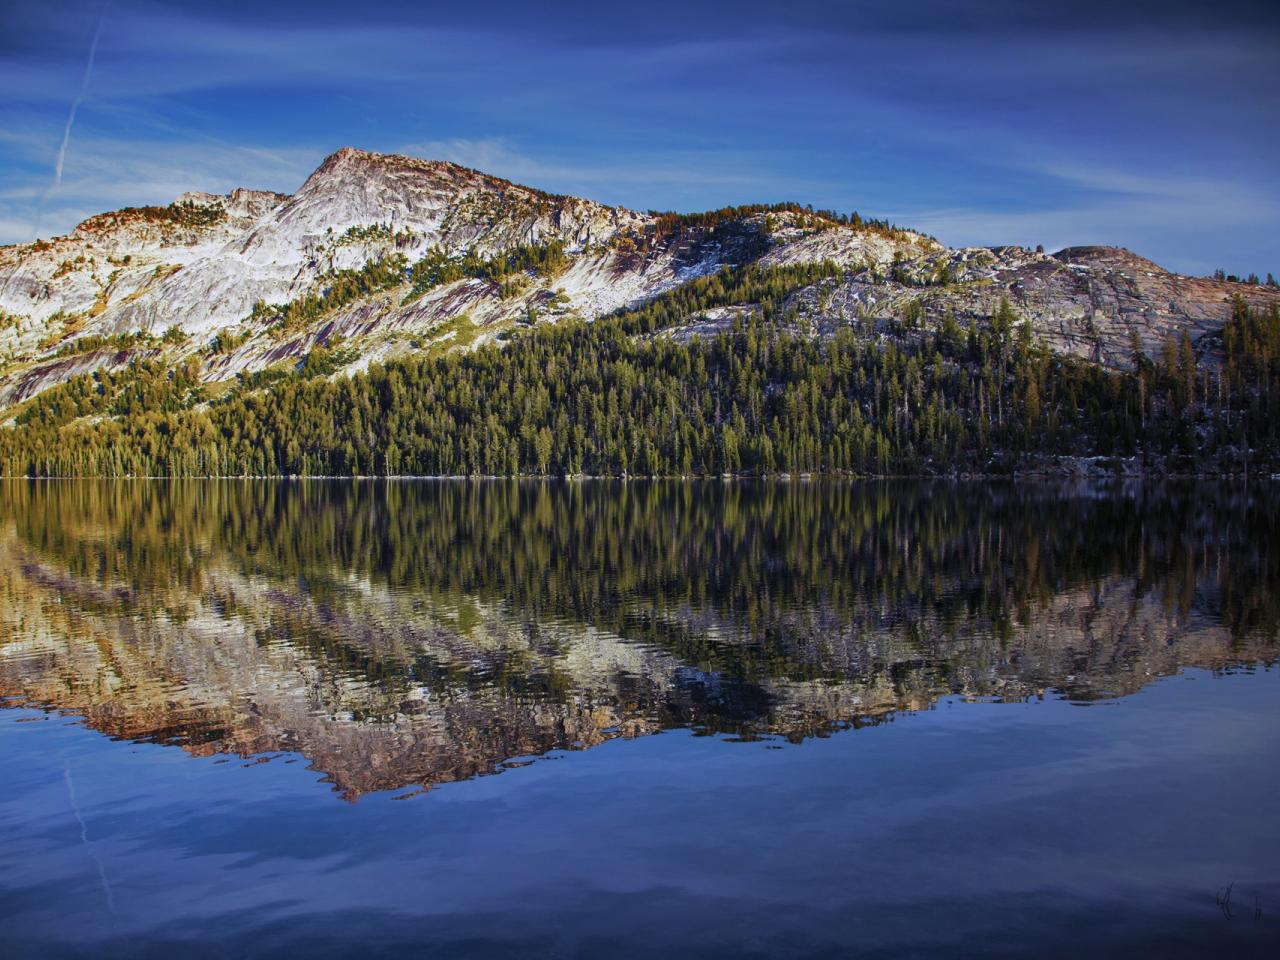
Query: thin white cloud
(154,51)
(1154,216)
(599,179)
(110,173)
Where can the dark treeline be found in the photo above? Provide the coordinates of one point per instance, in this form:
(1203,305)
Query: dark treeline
(621,397)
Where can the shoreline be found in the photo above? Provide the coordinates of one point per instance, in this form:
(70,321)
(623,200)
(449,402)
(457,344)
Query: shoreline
(1023,476)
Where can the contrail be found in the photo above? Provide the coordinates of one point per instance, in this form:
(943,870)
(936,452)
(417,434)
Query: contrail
(84,838)
(71,118)
(75,104)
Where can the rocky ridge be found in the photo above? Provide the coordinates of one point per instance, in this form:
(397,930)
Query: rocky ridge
(200,278)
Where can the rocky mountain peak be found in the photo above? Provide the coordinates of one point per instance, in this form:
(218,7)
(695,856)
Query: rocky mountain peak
(350,167)
(1116,258)
(349,161)
(214,264)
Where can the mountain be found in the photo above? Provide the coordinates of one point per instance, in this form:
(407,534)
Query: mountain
(381,259)
(202,263)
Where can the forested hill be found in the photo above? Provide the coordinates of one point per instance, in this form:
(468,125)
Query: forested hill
(398,315)
(625,395)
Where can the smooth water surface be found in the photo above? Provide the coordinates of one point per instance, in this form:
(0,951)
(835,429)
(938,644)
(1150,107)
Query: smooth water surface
(758,719)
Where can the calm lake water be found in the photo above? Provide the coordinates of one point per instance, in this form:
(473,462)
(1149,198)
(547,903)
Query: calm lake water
(730,720)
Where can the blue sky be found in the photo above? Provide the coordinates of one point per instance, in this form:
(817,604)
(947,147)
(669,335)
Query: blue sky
(1148,125)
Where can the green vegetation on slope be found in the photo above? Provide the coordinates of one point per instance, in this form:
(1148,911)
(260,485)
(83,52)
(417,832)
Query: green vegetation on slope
(341,288)
(439,267)
(596,398)
(186,213)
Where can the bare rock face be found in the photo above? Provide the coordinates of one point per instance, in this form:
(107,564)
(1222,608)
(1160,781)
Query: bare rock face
(201,265)
(1086,301)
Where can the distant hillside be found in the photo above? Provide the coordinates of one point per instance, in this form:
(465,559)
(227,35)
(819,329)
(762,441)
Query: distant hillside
(201,309)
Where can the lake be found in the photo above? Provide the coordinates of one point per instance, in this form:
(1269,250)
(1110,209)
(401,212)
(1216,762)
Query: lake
(608,719)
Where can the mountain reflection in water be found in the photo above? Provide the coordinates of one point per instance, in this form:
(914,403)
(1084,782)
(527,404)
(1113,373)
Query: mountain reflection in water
(414,633)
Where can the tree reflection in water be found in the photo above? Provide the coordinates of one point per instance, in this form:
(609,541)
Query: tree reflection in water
(400,633)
